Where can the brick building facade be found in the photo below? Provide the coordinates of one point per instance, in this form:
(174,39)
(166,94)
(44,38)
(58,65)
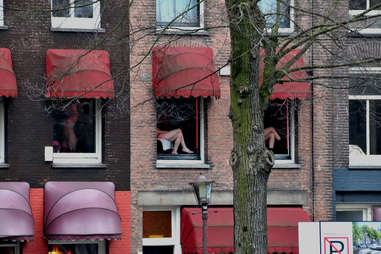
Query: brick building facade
(301,179)
(28,31)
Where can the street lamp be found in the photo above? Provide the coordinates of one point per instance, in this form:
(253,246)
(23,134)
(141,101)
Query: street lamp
(202,188)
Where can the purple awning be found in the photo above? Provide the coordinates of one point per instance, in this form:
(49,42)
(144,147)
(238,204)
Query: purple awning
(16,220)
(81,210)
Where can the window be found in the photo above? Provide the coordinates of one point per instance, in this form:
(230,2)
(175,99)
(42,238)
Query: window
(76,14)
(1,13)
(161,231)
(77,131)
(77,247)
(280,129)
(180,131)
(286,13)
(10,247)
(354,212)
(168,10)
(369,26)
(2,133)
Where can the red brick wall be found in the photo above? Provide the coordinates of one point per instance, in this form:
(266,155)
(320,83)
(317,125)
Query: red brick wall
(39,244)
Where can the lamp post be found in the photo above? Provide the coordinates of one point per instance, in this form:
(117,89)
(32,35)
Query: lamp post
(202,188)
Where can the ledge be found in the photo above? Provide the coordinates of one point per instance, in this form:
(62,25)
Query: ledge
(179,31)
(181,165)
(78,30)
(359,34)
(79,166)
(3,27)
(364,166)
(287,166)
(4,165)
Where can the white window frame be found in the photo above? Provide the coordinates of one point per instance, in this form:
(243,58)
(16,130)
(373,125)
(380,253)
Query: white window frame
(290,29)
(15,245)
(367,210)
(85,158)
(365,160)
(72,22)
(101,243)
(175,223)
(365,31)
(190,163)
(2,133)
(185,29)
(1,13)
(291,160)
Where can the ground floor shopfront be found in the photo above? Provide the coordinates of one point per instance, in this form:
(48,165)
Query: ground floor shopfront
(64,218)
(172,223)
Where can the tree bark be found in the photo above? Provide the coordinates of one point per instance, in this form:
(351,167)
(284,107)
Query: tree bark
(250,160)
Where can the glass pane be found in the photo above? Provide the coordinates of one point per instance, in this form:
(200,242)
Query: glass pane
(357,124)
(375,126)
(61,8)
(277,132)
(178,128)
(157,249)
(270,7)
(74,128)
(157,224)
(83,9)
(373,3)
(7,250)
(349,216)
(73,249)
(357,4)
(167,10)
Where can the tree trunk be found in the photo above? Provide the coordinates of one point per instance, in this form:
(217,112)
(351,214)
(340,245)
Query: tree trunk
(250,160)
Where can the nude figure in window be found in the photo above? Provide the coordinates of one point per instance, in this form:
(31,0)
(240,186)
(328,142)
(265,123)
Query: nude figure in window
(175,136)
(271,135)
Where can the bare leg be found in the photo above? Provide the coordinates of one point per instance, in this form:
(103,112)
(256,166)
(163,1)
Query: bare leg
(177,137)
(271,134)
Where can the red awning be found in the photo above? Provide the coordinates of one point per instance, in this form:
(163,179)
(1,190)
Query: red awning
(291,90)
(8,87)
(282,230)
(78,73)
(184,71)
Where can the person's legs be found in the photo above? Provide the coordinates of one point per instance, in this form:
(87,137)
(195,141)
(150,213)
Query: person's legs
(177,137)
(271,134)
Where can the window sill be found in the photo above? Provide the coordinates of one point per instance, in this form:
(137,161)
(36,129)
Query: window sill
(194,31)
(357,166)
(182,164)
(4,165)
(79,165)
(3,27)
(78,30)
(286,165)
(368,33)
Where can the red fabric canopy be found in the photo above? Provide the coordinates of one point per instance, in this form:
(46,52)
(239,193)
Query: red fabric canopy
(78,73)
(8,87)
(282,230)
(184,71)
(291,90)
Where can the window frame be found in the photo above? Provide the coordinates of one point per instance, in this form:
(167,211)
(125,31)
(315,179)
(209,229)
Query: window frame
(15,245)
(291,160)
(72,22)
(1,13)
(365,160)
(175,223)
(2,133)
(369,31)
(288,30)
(190,163)
(102,248)
(183,29)
(367,210)
(85,158)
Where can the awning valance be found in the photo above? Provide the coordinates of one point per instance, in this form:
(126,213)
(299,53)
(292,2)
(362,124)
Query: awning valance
(282,230)
(16,221)
(78,73)
(8,87)
(80,210)
(184,72)
(291,90)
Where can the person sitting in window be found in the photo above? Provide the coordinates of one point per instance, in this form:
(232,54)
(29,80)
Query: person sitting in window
(70,137)
(176,135)
(271,135)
